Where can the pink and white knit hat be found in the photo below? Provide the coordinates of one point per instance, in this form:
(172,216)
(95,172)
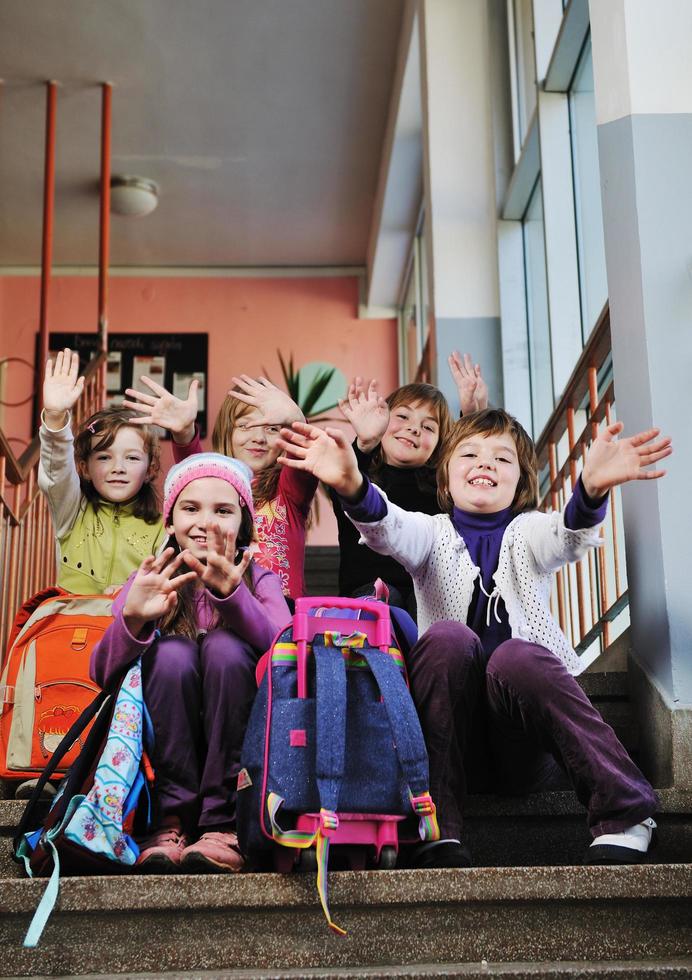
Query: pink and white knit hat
(196,467)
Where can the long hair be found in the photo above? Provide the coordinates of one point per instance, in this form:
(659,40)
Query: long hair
(265,484)
(492,422)
(432,398)
(181,620)
(97,433)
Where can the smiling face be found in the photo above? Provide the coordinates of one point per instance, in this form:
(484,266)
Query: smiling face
(253,442)
(483,473)
(118,472)
(202,502)
(412,435)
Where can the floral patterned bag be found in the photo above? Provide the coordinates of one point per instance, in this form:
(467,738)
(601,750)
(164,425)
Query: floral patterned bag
(89,827)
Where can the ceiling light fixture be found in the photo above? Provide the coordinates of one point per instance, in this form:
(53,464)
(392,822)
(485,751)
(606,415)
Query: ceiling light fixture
(133,196)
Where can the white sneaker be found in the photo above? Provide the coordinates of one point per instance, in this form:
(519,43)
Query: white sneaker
(628,847)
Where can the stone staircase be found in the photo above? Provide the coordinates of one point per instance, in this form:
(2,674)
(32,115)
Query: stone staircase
(525,902)
(528,908)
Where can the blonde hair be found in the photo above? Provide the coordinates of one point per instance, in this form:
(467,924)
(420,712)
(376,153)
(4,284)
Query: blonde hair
(492,422)
(265,484)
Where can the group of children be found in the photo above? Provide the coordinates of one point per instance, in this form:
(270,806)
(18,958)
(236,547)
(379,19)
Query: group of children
(444,512)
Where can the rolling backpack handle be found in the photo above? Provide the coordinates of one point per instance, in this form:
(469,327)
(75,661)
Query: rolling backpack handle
(377,628)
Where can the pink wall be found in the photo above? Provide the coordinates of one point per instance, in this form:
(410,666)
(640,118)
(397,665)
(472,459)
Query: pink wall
(246,319)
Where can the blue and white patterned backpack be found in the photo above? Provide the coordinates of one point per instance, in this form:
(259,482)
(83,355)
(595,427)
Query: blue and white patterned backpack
(89,827)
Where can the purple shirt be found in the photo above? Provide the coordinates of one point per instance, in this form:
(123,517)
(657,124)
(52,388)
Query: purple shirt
(256,619)
(483,534)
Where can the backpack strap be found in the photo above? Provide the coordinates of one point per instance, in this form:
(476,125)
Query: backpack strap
(330,723)
(408,737)
(65,745)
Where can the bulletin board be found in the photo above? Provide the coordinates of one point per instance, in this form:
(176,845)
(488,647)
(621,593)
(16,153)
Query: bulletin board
(172,360)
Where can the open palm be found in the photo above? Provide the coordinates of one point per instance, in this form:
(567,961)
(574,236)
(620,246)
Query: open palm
(154,589)
(473,391)
(220,574)
(62,385)
(164,409)
(367,412)
(275,405)
(326,453)
(611,461)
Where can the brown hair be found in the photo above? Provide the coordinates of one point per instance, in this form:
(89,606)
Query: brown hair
(182,620)
(492,422)
(415,394)
(98,433)
(265,484)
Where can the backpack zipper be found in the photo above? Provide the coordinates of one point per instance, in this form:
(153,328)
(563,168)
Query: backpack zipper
(38,689)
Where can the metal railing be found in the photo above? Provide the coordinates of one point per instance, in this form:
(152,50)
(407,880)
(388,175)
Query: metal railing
(590,597)
(27,538)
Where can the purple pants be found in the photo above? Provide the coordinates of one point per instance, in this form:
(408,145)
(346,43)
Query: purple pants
(199,696)
(516,722)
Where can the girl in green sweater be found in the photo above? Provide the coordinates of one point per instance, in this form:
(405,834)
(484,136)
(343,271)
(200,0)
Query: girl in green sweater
(99,485)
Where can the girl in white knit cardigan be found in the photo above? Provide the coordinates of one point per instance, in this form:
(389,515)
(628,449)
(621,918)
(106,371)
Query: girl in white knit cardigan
(492,674)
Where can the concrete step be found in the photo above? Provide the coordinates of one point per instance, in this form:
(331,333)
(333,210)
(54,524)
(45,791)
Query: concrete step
(541,830)
(393,918)
(671,969)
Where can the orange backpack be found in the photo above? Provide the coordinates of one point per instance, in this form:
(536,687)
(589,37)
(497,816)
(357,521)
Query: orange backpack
(45,683)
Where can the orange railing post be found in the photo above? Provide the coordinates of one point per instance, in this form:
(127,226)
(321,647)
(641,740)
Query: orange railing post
(48,212)
(587,618)
(105,215)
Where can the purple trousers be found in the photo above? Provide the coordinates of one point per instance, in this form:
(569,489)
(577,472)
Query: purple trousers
(516,722)
(199,696)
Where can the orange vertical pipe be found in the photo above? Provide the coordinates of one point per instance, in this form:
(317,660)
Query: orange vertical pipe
(105,215)
(48,210)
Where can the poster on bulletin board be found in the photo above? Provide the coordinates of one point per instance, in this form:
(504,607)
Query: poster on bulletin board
(171,360)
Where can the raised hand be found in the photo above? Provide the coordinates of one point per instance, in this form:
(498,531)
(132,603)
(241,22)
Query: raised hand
(326,453)
(473,391)
(164,409)
(275,405)
(367,412)
(154,590)
(220,574)
(611,461)
(61,387)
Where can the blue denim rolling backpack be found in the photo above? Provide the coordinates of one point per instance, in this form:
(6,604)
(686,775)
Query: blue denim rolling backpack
(333,751)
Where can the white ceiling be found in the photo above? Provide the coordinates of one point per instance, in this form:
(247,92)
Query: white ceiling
(262,121)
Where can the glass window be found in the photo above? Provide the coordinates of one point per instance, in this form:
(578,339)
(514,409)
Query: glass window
(525,64)
(540,361)
(587,194)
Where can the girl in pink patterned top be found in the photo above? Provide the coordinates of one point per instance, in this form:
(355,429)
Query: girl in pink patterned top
(247,428)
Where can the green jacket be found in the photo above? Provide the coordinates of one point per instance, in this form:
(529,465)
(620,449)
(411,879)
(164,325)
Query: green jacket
(95,549)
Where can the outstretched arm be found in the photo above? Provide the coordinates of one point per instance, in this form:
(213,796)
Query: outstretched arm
(163,408)
(611,462)
(473,391)
(275,405)
(61,388)
(367,412)
(325,453)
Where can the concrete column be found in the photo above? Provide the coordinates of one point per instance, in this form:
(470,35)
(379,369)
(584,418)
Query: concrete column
(643,90)
(459,179)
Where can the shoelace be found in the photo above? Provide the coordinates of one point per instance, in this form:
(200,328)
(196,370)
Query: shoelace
(167,835)
(218,837)
(495,594)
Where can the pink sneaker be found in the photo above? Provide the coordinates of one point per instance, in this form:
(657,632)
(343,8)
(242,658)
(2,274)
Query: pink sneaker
(216,851)
(162,852)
